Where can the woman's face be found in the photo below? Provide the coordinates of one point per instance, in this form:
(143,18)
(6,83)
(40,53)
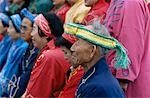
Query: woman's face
(12,32)
(38,41)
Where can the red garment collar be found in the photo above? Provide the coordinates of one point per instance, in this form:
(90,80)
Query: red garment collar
(51,44)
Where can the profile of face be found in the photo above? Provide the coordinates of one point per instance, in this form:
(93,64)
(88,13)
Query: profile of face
(38,41)
(82,52)
(58,2)
(90,2)
(67,55)
(1,27)
(12,32)
(26,29)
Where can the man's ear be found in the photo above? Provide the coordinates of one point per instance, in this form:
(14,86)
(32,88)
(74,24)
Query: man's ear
(93,50)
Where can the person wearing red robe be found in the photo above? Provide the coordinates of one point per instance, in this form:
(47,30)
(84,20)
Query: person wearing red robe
(98,10)
(60,8)
(48,74)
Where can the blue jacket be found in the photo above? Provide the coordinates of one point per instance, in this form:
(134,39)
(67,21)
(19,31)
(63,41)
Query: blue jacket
(18,85)
(11,66)
(98,82)
(5,45)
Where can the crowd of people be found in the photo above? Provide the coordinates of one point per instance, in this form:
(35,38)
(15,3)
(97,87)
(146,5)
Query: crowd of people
(74,48)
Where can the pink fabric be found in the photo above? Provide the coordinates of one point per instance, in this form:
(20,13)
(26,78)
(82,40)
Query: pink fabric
(128,21)
(43,24)
(148,6)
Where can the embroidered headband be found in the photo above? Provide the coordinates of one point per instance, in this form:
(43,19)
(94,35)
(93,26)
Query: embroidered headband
(121,60)
(43,24)
(4,18)
(27,14)
(16,20)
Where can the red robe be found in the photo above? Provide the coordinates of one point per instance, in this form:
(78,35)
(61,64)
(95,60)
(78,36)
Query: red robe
(72,83)
(98,10)
(48,74)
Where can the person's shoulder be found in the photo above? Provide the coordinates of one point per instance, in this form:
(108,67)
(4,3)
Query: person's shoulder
(55,53)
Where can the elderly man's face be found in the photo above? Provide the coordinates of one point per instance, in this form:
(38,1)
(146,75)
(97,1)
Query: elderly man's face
(81,52)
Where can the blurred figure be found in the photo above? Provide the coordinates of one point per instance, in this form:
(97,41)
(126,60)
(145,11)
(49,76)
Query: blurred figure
(77,11)
(5,44)
(40,6)
(19,84)
(4,6)
(60,8)
(129,22)
(75,73)
(89,51)
(98,10)
(16,52)
(17,6)
(50,67)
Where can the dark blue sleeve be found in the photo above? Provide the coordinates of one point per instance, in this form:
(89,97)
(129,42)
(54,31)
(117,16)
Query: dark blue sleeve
(100,92)
(23,78)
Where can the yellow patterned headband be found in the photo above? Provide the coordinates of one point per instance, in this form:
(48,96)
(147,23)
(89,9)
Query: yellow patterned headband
(121,60)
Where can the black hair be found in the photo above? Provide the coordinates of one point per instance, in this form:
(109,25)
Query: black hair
(63,42)
(41,34)
(54,23)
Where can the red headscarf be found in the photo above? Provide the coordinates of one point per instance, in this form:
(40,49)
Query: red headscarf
(43,24)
